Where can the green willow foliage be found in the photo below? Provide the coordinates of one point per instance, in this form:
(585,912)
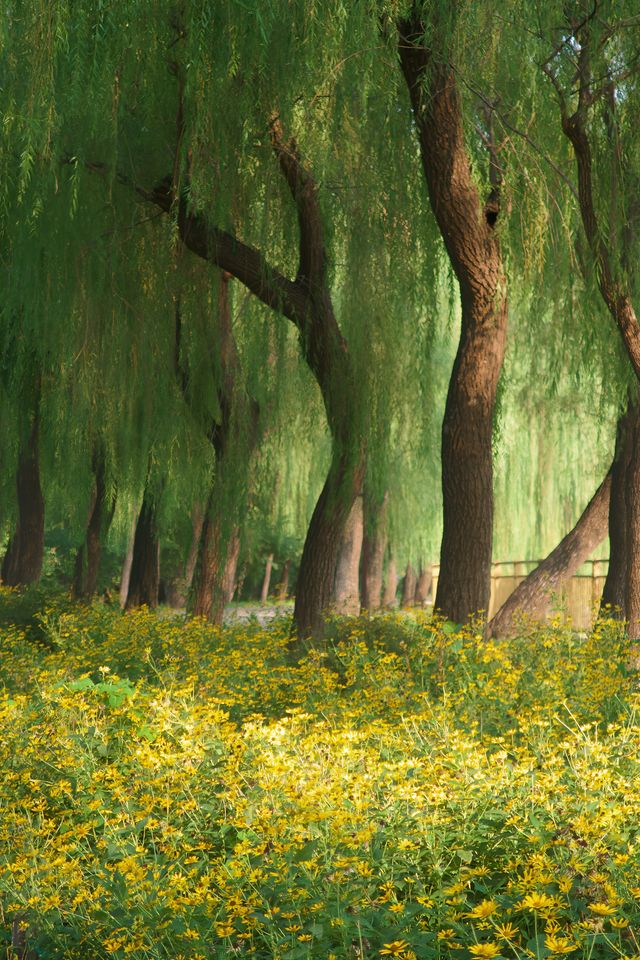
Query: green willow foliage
(102,101)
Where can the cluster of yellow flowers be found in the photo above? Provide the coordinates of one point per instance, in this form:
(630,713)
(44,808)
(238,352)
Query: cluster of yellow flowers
(170,790)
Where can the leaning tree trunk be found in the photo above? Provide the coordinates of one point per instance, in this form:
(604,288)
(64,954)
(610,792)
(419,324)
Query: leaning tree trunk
(346,598)
(22,562)
(532,595)
(610,264)
(144,579)
(374,544)
(468,230)
(87,563)
(614,592)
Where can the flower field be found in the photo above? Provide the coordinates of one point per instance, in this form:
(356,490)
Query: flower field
(170,790)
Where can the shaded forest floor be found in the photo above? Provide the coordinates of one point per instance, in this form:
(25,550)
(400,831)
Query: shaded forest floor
(170,790)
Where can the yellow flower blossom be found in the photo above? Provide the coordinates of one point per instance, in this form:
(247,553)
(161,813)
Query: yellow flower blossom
(485,950)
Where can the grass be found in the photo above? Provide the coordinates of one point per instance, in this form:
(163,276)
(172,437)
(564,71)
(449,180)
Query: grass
(170,790)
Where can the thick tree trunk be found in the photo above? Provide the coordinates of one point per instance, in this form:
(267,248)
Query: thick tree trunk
(409,586)
(615,587)
(374,544)
(266,582)
(468,231)
(144,580)
(87,563)
(346,599)
(423,586)
(391,584)
(321,551)
(532,595)
(22,562)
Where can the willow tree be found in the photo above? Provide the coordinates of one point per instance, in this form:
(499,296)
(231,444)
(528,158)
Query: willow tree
(597,106)
(468,225)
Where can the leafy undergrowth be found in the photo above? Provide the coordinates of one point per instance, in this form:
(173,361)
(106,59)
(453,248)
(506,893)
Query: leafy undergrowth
(172,791)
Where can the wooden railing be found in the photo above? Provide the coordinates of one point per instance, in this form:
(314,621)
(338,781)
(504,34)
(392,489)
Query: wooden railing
(576,600)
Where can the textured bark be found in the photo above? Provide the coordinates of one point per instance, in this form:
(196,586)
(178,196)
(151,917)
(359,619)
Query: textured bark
(409,586)
(144,580)
(423,586)
(532,595)
(22,562)
(615,587)
(321,551)
(346,598)
(609,262)
(468,231)
(391,584)
(208,591)
(374,545)
(266,582)
(87,563)
(306,301)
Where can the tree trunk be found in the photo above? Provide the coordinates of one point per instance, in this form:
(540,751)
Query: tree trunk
(423,586)
(615,587)
(391,585)
(125,576)
(266,582)
(346,600)
(231,566)
(87,564)
(374,544)
(197,522)
(532,595)
(468,231)
(321,551)
(22,562)
(207,587)
(306,301)
(144,580)
(409,587)
(283,587)
(632,496)
(612,273)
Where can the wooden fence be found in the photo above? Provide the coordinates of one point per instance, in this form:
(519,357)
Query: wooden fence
(576,600)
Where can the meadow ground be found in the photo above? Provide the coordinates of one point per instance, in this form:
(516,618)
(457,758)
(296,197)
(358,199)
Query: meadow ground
(170,790)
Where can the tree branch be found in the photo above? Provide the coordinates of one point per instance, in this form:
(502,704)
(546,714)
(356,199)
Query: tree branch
(303,188)
(242,261)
